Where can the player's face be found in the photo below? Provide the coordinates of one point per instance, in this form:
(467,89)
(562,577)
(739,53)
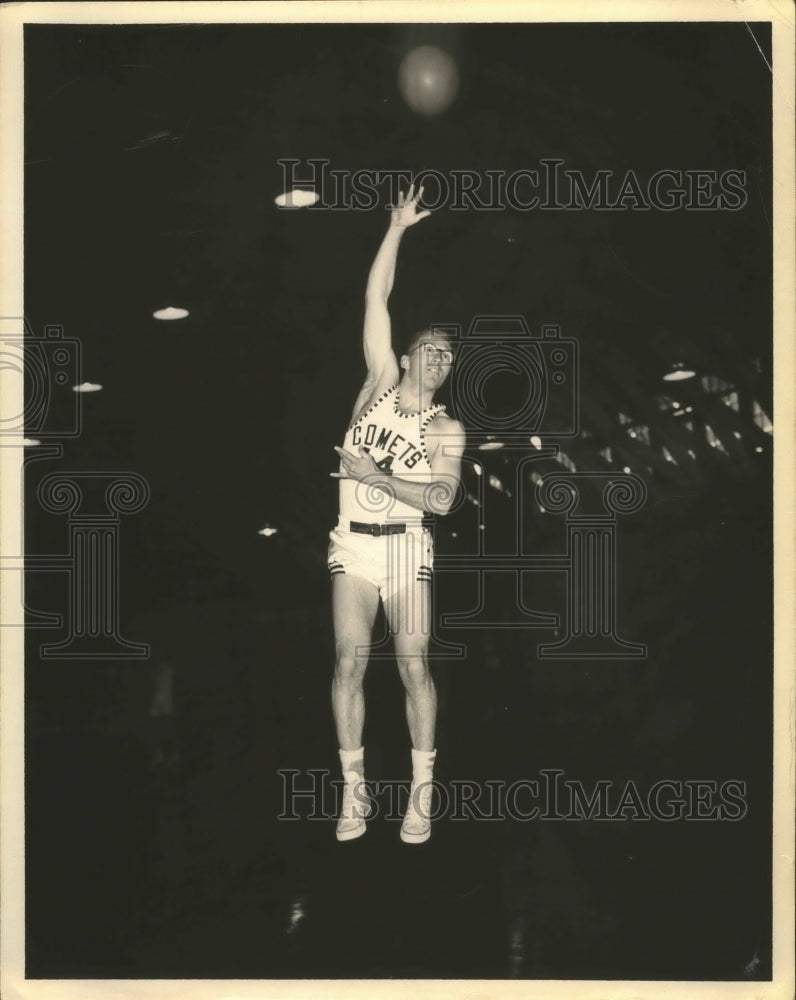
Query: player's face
(430,361)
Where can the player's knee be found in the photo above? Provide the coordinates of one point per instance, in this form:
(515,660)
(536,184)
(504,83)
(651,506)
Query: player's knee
(413,667)
(348,666)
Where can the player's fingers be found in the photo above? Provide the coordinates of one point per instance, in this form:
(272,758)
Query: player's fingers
(411,191)
(423,214)
(419,193)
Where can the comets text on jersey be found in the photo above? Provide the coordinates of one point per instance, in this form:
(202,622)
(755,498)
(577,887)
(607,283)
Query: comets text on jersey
(382,439)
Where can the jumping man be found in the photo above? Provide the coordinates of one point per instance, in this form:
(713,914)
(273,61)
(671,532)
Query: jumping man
(399,465)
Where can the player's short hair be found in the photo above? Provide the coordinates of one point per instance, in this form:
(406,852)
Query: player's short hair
(421,335)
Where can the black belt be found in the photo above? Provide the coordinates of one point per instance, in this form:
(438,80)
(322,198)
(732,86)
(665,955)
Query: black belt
(377,529)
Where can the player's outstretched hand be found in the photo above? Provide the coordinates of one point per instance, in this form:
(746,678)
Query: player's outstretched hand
(406,213)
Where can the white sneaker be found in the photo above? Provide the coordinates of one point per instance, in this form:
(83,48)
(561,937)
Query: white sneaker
(355,809)
(416,827)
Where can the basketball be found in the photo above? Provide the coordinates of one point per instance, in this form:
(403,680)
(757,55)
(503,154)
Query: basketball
(428,79)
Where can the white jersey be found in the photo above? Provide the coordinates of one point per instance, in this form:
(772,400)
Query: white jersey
(397,443)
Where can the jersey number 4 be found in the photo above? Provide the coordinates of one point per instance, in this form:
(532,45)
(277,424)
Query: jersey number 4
(385,464)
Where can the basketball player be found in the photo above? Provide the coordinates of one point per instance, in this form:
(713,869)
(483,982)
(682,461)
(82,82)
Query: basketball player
(400,464)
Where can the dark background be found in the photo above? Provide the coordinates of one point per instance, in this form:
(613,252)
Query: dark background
(153,848)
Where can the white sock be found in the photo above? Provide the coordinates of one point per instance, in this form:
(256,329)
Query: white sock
(423,765)
(353,764)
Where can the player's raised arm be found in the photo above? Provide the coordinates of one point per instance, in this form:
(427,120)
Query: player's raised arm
(377,336)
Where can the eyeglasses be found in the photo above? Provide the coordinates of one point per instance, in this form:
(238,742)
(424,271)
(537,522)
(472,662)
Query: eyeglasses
(443,355)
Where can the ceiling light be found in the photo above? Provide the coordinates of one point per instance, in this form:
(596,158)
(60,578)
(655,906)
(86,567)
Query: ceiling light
(296,198)
(678,372)
(170,312)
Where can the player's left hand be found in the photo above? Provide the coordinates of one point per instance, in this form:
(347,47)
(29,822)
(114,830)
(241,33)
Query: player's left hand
(357,467)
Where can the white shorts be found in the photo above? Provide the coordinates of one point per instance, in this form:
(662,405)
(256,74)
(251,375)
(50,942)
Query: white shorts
(392,563)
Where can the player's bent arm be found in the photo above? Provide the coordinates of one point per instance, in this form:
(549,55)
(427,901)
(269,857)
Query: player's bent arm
(438,495)
(446,443)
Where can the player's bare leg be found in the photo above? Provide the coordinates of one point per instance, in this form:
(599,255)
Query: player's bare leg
(409,614)
(354,606)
